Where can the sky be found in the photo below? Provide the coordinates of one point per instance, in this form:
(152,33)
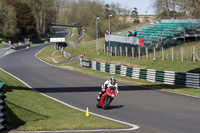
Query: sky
(141,5)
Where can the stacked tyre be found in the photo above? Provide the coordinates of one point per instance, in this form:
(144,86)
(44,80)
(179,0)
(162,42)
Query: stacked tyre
(2,106)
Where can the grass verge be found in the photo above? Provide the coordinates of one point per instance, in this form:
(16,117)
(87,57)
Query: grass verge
(91,54)
(51,55)
(30,111)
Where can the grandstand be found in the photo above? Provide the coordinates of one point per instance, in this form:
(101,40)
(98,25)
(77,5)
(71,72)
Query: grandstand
(167,33)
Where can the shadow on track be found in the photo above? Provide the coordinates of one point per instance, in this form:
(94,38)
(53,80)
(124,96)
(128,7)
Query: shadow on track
(88,89)
(114,107)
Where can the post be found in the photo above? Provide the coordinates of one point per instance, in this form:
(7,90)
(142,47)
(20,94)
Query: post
(115,51)
(182,53)
(163,58)
(126,52)
(139,52)
(132,49)
(193,54)
(120,51)
(83,36)
(172,49)
(147,53)
(110,50)
(109,30)
(97,36)
(154,53)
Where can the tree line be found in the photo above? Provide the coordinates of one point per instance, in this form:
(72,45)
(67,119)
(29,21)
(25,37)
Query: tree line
(177,8)
(21,19)
(85,12)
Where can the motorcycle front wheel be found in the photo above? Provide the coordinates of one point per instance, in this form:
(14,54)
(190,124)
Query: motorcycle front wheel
(106,102)
(97,104)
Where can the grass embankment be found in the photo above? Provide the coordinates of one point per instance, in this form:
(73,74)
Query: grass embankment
(177,65)
(51,55)
(29,110)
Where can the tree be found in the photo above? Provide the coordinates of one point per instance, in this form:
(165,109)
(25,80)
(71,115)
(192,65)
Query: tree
(8,25)
(25,20)
(44,12)
(125,14)
(177,8)
(134,16)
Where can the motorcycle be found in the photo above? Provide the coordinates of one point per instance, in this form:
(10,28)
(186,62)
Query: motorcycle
(106,98)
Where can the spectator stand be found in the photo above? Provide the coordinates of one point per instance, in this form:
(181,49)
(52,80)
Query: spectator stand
(168,33)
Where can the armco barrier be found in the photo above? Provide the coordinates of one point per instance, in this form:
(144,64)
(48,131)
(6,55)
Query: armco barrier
(2,106)
(190,80)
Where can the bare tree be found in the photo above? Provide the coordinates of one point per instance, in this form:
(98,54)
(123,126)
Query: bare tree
(8,22)
(125,14)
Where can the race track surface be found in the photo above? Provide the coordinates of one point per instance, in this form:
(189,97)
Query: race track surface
(152,110)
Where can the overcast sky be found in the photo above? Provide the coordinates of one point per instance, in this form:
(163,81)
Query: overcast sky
(141,5)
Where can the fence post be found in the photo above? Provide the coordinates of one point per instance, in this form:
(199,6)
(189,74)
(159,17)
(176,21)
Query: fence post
(163,56)
(147,54)
(193,56)
(154,53)
(172,49)
(132,49)
(115,51)
(120,51)
(111,50)
(182,53)
(139,52)
(126,52)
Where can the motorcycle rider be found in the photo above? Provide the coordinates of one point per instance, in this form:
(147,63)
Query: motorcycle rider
(108,83)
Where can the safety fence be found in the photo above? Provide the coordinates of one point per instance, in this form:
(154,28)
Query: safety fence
(2,106)
(190,80)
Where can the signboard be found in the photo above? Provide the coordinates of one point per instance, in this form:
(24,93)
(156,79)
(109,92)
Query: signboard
(57,39)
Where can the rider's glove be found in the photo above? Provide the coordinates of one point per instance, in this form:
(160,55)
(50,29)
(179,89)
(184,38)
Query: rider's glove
(102,88)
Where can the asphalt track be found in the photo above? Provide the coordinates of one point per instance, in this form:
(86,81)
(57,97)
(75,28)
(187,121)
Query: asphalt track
(152,110)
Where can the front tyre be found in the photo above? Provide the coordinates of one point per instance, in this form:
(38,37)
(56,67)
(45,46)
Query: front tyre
(106,102)
(97,104)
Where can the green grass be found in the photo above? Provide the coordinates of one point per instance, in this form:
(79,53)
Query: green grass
(28,110)
(49,54)
(176,65)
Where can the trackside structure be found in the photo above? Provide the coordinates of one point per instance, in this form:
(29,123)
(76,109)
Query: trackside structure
(168,33)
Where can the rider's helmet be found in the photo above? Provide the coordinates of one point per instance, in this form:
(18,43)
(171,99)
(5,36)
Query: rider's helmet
(113,80)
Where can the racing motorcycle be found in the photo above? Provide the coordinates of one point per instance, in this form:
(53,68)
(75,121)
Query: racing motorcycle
(106,98)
